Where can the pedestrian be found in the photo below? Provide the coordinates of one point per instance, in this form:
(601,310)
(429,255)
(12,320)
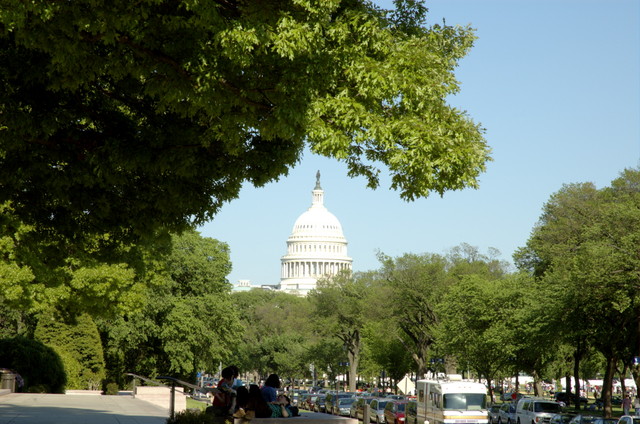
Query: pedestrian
(626,404)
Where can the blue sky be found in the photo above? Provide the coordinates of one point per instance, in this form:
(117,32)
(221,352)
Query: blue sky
(556,84)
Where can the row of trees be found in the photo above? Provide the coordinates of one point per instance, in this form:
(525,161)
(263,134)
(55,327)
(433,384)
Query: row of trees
(572,308)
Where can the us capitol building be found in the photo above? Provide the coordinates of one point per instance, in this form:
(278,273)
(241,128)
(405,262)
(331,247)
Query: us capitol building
(316,247)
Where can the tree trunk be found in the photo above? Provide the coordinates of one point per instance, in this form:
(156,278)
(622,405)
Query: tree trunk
(623,374)
(537,387)
(607,384)
(353,354)
(567,390)
(421,366)
(486,377)
(576,377)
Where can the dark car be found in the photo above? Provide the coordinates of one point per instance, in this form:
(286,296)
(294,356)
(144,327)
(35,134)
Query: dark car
(376,410)
(564,397)
(394,411)
(411,412)
(331,401)
(582,419)
(561,418)
(494,414)
(319,405)
(310,402)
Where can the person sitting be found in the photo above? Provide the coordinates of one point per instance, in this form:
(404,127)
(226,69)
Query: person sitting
(281,407)
(257,407)
(270,388)
(224,398)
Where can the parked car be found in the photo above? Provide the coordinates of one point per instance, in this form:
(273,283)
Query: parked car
(302,400)
(582,419)
(507,413)
(344,406)
(511,396)
(564,397)
(359,409)
(561,418)
(535,411)
(600,420)
(494,413)
(376,410)
(628,419)
(319,405)
(310,402)
(394,411)
(411,412)
(353,409)
(331,401)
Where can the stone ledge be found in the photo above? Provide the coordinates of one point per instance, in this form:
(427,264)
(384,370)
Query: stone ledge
(305,417)
(84,392)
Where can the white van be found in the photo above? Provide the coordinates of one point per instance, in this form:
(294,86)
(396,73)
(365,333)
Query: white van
(448,402)
(535,411)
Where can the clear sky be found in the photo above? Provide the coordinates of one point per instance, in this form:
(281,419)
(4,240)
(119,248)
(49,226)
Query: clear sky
(556,84)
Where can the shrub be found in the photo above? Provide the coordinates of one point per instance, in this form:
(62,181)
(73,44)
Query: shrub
(110,389)
(191,416)
(78,344)
(39,366)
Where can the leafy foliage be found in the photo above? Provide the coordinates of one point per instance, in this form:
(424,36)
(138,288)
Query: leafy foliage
(339,311)
(131,117)
(78,344)
(39,365)
(276,335)
(585,248)
(97,275)
(187,324)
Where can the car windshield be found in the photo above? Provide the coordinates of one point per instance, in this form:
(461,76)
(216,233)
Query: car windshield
(401,407)
(381,405)
(346,401)
(546,407)
(465,401)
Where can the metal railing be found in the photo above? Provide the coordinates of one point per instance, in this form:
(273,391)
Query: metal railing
(174,381)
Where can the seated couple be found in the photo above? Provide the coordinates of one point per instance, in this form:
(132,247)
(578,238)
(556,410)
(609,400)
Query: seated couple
(242,403)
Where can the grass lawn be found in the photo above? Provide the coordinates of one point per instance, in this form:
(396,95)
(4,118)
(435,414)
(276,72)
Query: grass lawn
(193,404)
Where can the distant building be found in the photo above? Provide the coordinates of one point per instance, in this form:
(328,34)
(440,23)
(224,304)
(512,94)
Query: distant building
(316,248)
(245,285)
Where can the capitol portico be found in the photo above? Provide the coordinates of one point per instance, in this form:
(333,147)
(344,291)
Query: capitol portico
(316,248)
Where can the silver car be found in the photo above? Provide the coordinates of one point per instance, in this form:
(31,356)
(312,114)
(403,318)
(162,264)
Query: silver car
(376,408)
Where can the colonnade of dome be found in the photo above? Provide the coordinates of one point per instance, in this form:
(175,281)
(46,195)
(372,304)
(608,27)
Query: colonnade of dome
(316,247)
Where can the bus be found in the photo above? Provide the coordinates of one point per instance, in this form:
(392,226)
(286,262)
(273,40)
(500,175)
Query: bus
(451,402)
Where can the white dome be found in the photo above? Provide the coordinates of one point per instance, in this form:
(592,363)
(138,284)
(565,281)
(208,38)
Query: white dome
(316,247)
(317,222)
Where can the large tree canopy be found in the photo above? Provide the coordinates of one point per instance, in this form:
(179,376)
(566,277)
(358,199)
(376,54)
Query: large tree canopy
(125,117)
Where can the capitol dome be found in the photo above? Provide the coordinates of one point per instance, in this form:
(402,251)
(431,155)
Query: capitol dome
(316,247)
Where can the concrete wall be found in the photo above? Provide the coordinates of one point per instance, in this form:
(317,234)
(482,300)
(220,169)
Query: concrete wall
(161,396)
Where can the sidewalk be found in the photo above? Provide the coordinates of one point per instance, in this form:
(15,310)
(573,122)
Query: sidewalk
(38,408)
